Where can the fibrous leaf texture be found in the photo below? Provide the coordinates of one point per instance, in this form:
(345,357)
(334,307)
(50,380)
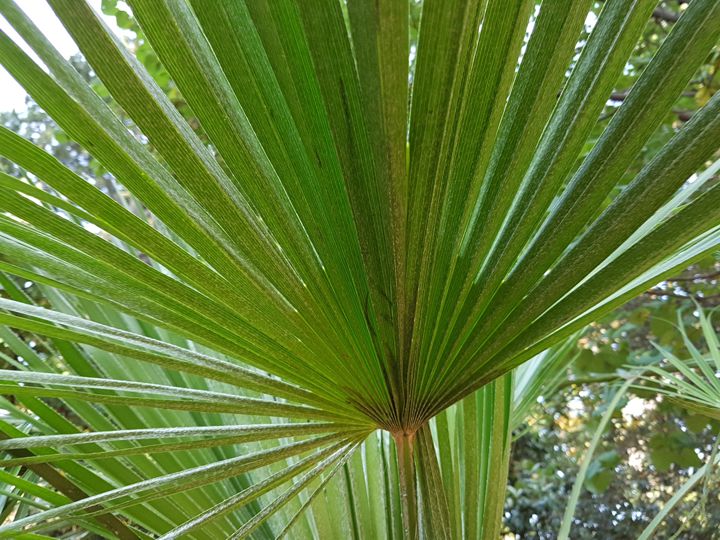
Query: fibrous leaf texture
(299,310)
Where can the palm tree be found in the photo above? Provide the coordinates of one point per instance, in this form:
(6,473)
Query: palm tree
(302,318)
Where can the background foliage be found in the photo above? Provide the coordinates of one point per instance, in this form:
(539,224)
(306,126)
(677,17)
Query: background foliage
(645,456)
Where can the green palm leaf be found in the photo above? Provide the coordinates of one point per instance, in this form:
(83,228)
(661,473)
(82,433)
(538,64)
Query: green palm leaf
(301,318)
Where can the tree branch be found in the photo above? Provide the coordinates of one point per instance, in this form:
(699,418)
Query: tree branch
(686,296)
(696,277)
(660,14)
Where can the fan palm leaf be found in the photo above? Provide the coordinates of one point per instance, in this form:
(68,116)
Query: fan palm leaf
(301,317)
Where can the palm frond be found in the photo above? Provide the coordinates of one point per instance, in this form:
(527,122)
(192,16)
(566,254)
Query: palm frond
(351,249)
(692,382)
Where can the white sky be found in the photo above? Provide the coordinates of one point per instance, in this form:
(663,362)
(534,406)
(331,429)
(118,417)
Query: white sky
(12,96)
